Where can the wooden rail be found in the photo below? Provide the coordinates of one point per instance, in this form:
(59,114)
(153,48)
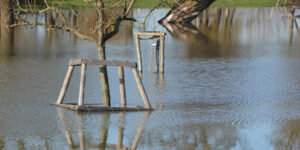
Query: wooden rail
(91,62)
(160,36)
(80,106)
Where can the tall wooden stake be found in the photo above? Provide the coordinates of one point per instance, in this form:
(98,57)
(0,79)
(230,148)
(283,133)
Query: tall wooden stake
(122,86)
(139,55)
(82,82)
(65,85)
(141,88)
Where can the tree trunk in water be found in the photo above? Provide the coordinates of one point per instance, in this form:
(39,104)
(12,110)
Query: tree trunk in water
(6,33)
(6,12)
(104,77)
(102,55)
(185,11)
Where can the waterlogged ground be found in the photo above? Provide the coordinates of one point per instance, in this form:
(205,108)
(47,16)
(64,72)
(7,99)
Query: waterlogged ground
(231,82)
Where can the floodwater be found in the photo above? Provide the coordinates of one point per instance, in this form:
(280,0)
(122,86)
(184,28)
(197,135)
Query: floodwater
(231,81)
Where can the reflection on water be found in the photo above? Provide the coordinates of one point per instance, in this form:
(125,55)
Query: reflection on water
(85,141)
(229,32)
(231,82)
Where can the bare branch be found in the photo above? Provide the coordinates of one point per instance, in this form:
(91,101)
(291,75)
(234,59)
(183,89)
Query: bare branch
(117,26)
(23,22)
(128,9)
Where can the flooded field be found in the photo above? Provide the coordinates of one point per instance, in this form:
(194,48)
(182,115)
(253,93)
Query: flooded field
(232,81)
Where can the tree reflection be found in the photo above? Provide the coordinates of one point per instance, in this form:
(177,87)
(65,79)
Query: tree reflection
(2,144)
(222,32)
(210,136)
(288,136)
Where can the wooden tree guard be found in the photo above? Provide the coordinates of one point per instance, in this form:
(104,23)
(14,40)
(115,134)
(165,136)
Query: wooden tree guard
(160,36)
(80,106)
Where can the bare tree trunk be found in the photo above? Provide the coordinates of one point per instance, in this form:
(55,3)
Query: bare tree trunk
(102,55)
(104,77)
(6,33)
(7,13)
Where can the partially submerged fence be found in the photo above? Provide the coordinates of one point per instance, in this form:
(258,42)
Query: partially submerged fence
(80,106)
(160,46)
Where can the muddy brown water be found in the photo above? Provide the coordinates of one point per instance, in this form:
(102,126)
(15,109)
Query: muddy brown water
(231,82)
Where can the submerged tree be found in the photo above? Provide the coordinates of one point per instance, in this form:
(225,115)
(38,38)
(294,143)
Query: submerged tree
(185,11)
(104,27)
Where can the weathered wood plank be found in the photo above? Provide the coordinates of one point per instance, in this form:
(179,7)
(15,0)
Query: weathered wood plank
(67,106)
(75,62)
(150,33)
(99,108)
(91,62)
(122,86)
(138,51)
(82,83)
(91,108)
(141,88)
(65,85)
(123,63)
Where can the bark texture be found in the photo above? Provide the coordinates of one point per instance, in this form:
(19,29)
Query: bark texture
(102,55)
(6,12)
(185,11)
(6,33)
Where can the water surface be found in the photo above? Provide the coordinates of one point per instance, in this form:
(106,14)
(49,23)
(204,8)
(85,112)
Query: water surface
(231,81)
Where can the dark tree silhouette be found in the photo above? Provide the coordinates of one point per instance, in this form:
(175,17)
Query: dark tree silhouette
(185,11)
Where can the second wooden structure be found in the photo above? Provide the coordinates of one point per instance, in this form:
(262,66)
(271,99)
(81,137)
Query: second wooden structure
(160,36)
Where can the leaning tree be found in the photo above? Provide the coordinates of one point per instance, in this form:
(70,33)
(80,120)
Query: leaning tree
(185,11)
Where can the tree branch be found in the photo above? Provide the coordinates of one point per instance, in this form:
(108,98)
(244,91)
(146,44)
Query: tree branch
(22,22)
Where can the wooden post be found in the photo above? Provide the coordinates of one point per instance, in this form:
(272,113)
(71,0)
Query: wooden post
(138,49)
(65,85)
(122,86)
(157,56)
(162,53)
(151,54)
(81,87)
(141,88)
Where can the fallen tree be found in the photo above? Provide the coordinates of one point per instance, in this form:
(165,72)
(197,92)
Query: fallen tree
(185,11)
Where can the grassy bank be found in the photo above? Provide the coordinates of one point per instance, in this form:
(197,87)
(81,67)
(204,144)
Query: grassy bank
(153,3)
(217,3)
(245,3)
